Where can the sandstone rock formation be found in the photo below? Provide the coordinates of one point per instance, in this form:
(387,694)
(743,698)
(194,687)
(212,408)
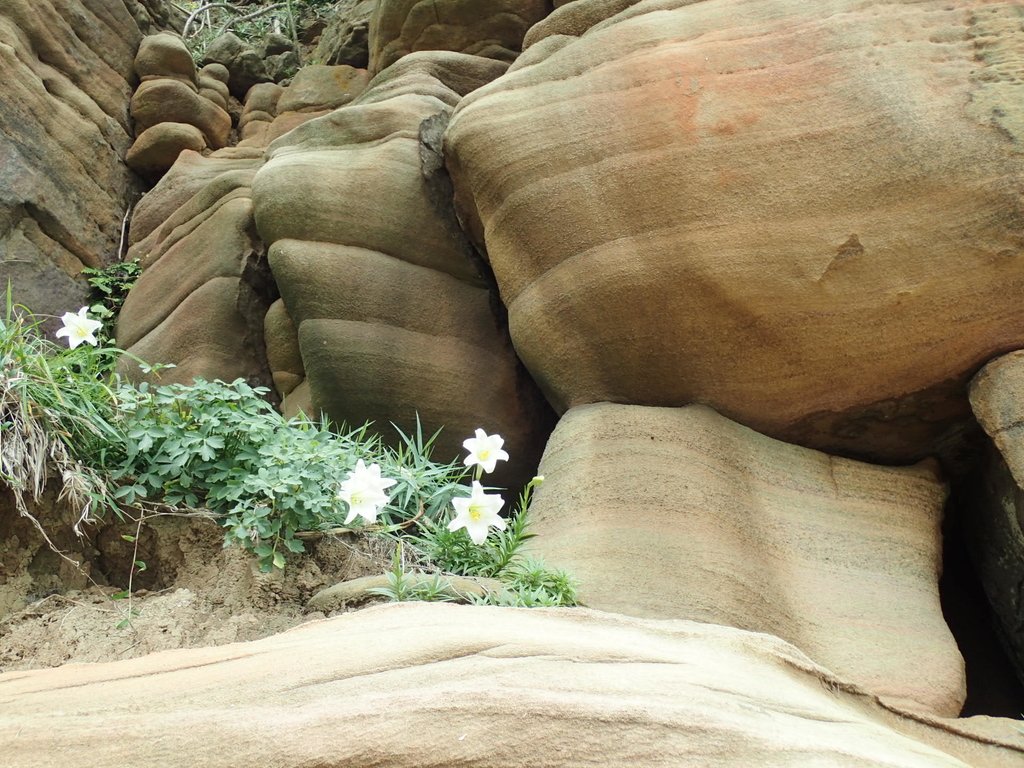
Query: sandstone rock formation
(995,524)
(809,220)
(200,300)
(64,131)
(491,28)
(345,39)
(681,513)
(392,315)
(173,108)
(418,684)
(245,65)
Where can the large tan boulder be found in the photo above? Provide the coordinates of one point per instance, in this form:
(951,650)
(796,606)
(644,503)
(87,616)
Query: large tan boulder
(682,513)
(393,316)
(415,685)
(492,28)
(164,55)
(156,149)
(168,100)
(802,214)
(64,132)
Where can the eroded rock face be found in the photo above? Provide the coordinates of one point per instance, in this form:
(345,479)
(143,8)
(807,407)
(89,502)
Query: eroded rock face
(681,513)
(392,315)
(809,220)
(200,300)
(173,108)
(432,684)
(64,131)
(491,28)
(994,525)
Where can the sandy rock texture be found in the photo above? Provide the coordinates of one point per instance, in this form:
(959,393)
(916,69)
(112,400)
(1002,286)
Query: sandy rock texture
(64,131)
(206,286)
(490,28)
(436,684)
(193,592)
(173,108)
(386,303)
(200,300)
(682,513)
(807,217)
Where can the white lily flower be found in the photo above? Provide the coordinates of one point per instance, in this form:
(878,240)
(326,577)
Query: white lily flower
(79,328)
(484,451)
(477,513)
(363,491)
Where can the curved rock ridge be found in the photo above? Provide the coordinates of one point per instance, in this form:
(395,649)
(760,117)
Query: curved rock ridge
(490,28)
(385,299)
(681,513)
(416,684)
(201,300)
(64,131)
(807,218)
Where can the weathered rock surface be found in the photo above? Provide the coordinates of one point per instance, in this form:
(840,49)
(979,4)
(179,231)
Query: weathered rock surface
(393,316)
(171,100)
(809,220)
(64,131)
(435,684)
(200,300)
(994,525)
(244,64)
(492,28)
(318,88)
(345,40)
(681,513)
(156,148)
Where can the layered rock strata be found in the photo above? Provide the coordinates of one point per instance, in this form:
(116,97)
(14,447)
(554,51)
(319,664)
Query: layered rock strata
(419,684)
(174,108)
(682,513)
(64,131)
(393,317)
(810,221)
(490,28)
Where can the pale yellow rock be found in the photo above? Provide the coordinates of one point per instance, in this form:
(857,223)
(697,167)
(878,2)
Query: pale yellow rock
(416,685)
(681,513)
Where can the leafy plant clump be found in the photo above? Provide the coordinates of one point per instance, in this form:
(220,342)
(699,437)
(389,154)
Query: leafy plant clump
(57,417)
(110,286)
(222,450)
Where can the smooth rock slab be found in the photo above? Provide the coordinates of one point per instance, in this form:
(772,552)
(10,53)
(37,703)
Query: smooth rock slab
(681,513)
(442,685)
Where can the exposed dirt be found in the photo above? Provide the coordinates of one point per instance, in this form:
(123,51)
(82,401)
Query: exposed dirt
(192,593)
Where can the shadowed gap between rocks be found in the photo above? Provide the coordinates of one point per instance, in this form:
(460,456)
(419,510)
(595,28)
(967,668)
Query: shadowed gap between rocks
(992,685)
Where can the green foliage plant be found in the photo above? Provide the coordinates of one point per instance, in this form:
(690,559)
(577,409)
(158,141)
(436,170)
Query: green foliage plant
(222,450)
(57,416)
(110,286)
